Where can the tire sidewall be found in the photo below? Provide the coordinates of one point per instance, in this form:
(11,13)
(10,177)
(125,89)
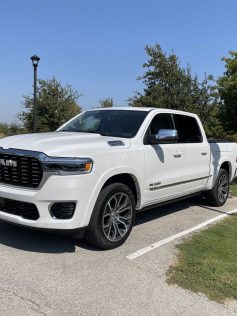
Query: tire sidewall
(222,171)
(97,216)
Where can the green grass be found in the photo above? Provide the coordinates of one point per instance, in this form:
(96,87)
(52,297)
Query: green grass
(234,189)
(207,263)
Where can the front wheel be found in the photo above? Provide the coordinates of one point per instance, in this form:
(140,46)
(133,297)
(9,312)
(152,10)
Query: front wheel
(218,195)
(113,217)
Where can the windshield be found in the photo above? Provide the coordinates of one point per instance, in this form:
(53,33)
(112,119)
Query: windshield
(117,123)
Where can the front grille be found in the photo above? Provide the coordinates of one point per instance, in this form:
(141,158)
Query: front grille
(23,209)
(20,171)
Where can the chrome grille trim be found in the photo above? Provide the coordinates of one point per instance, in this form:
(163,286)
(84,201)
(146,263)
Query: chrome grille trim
(29,171)
(20,168)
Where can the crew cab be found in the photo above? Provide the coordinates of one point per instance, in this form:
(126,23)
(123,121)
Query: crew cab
(91,176)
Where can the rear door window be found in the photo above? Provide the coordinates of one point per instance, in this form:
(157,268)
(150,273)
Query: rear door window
(187,128)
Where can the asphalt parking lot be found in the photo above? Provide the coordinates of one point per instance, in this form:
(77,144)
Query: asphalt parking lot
(44,274)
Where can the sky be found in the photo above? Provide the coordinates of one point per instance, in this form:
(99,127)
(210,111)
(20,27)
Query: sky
(98,46)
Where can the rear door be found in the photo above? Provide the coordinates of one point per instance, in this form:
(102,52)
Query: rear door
(195,153)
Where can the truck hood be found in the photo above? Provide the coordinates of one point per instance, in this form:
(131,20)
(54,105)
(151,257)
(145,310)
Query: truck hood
(64,144)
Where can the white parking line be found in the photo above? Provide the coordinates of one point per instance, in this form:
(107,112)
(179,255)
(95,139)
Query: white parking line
(162,242)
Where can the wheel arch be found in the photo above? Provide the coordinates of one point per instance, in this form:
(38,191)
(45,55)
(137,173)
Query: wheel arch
(215,169)
(226,165)
(131,181)
(125,175)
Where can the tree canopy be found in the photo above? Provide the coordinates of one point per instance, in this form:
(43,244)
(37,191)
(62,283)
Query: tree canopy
(11,129)
(169,85)
(106,103)
(227,86)
(56,104)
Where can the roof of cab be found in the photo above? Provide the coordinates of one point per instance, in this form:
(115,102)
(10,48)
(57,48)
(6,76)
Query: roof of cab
(129,108)
(145,109)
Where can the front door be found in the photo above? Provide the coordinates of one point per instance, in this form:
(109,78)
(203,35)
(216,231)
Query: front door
(164,164)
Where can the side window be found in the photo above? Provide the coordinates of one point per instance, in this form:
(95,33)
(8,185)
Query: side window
(160,121)
(188,129)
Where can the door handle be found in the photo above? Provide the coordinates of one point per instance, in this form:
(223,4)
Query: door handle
(204,152)
(177,154)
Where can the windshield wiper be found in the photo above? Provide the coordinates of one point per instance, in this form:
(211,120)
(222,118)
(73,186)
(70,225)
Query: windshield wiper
(76,131)
(92,132)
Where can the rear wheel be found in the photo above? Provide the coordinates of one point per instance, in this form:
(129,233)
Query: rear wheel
(218,195)
(113,217)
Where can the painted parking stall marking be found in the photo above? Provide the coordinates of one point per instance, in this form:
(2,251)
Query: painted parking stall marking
(165,241)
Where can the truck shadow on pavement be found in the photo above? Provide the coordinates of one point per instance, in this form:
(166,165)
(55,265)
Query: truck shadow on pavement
(160,211)
(27,239)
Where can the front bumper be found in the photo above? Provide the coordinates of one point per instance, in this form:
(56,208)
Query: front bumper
(78,188)
(77,233)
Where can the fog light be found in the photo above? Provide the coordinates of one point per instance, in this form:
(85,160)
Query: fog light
(63,210)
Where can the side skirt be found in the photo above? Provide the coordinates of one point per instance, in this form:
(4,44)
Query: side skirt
(149,207)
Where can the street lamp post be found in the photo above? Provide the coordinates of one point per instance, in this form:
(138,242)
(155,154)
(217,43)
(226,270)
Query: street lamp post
(35,60)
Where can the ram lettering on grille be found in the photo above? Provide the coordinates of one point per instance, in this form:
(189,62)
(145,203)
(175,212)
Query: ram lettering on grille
(8,163)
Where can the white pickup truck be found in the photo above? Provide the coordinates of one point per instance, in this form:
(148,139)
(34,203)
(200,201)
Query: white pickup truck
(91,176)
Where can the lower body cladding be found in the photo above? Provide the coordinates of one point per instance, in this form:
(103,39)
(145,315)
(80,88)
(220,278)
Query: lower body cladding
(62,205)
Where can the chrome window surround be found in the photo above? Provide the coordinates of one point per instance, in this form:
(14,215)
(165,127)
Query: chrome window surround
(46,161)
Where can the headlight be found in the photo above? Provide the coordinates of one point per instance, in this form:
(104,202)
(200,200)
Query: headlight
(67,166)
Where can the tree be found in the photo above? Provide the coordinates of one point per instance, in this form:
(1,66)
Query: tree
(227,86)
(106,103)
(11,129)
(55,105)
(3,129)
(169,85)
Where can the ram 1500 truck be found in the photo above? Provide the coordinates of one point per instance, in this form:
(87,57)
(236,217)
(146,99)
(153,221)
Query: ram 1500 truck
(91,176)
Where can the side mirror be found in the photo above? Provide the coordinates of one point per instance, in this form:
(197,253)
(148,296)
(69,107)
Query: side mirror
(164,136)
(167,134)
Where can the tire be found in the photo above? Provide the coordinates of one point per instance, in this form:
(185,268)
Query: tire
(112,218)
(218,195)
